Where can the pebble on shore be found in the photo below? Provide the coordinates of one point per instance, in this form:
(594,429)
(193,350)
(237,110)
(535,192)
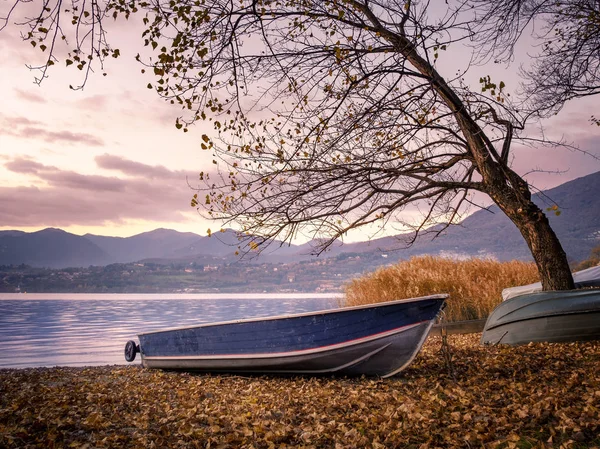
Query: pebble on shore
(538,395)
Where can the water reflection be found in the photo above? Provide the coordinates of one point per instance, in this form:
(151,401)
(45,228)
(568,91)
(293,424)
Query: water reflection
(80,330)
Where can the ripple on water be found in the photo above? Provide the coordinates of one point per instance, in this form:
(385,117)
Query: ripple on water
(81,330)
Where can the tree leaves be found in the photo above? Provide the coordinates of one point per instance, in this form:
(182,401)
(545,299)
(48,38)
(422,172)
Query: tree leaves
(539,395)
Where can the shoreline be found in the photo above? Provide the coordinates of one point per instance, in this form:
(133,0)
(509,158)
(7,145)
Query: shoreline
(539,395)
(451,328)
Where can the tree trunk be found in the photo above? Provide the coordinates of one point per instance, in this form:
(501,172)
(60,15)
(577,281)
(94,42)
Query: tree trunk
(508,190)
(549,256)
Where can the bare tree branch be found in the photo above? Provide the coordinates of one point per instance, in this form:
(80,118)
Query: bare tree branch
(330,115)
(567,64)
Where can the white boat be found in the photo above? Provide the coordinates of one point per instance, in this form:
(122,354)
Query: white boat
(556,316)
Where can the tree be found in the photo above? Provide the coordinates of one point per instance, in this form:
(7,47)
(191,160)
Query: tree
(568,36)
(330,115)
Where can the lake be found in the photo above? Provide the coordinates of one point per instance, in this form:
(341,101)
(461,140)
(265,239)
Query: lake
(42,330)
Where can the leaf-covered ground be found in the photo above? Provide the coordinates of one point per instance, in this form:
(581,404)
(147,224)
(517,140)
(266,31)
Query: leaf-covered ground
(540,395)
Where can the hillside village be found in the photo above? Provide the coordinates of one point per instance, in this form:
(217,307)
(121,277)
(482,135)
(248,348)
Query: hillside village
(320,275)
(167,261)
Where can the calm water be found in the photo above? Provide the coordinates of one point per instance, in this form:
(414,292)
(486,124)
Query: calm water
(92,329)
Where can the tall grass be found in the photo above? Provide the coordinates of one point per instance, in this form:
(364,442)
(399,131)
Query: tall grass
(474,285)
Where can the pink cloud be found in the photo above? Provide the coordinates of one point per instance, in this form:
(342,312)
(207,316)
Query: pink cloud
(22,165)
(133,168)
(22,127)
(93,102)
(19,121)
(94,183)
(30,96)
(62,178)
(60,136)
(71,199)
(30,206)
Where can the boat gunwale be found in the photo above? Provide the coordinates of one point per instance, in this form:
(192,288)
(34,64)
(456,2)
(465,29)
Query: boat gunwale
(545,292)
(295,353)
(443,296)
(545,315)
(506,318)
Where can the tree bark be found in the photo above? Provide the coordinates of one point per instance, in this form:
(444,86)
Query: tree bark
(549,256)
(506,188)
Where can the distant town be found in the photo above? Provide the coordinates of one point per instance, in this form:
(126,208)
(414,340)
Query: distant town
(167,261)
(319,275)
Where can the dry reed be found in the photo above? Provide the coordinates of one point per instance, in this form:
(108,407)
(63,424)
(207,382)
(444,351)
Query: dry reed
(474,285)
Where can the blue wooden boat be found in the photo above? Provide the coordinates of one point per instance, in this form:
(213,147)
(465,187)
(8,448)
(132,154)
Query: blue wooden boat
(373,340)
(554,316)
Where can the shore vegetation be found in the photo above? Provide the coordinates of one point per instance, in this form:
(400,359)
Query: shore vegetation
(474,285)
(591,261)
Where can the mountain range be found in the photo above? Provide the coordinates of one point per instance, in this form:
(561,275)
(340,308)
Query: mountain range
(487,232)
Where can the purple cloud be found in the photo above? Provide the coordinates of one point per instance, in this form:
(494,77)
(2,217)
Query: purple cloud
(22,165)
(132,168)
(31,206)
(94,183)
(62,178)
(70,198)
(22,127)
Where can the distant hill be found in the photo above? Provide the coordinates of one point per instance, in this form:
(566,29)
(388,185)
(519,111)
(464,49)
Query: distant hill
(219,244)
(490,232)
(485,232)
(577,226)
(159,243)
(50,247)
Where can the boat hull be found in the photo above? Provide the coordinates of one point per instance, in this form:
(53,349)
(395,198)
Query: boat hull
(374,340)
(545,317)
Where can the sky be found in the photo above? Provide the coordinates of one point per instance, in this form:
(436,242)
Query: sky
(108,159)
